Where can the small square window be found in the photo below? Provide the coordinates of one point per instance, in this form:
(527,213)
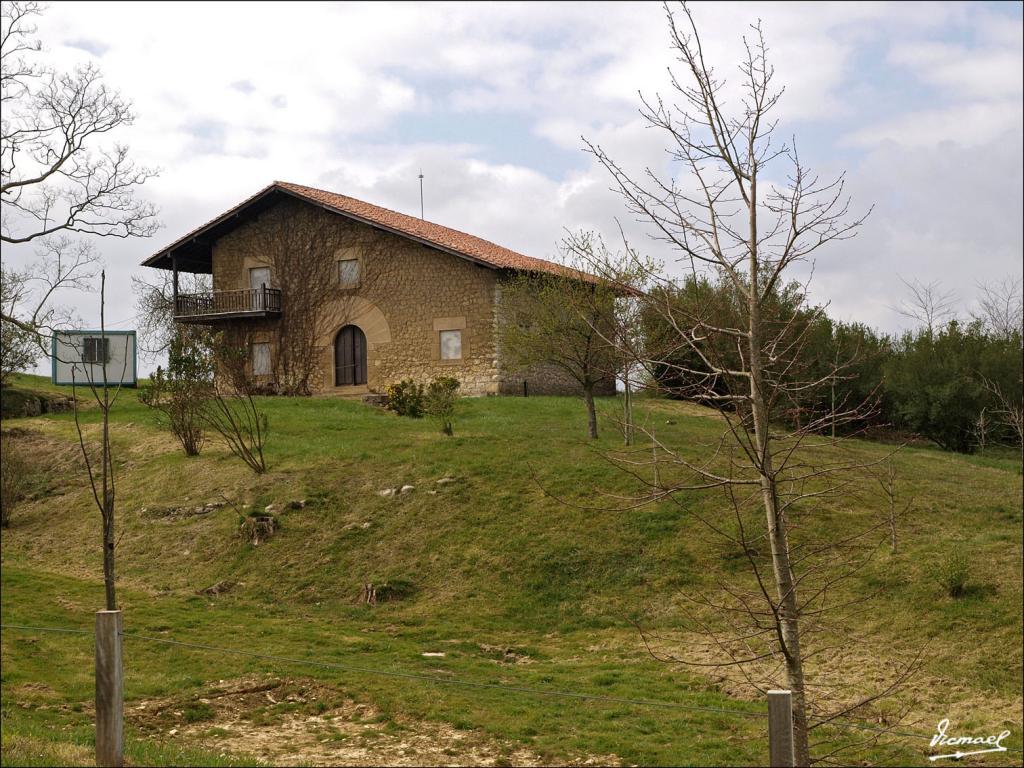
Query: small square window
(348,271)
(451,345)
(95,350)
(261,359)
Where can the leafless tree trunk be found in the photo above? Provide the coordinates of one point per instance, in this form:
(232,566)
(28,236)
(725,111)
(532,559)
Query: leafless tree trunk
(628,340)
(588,398)
(733,218)
(627,406)
(101,478)
(981,429)
(888,483)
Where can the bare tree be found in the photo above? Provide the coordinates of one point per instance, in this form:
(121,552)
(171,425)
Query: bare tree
(1008,412)
(19,349)
(1001,307)
(15,475)
(747,222)
(927,303)
(887,481)
(238,420)
(154,308)
(29,307)
(101,469)
(56,175)
(229,407)
(564,322)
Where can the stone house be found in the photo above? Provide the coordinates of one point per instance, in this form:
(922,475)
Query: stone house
(354,297)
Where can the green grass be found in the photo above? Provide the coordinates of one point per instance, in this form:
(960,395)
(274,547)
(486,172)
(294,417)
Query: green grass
(492,561)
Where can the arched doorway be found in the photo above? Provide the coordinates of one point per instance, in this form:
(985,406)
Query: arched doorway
(349,357)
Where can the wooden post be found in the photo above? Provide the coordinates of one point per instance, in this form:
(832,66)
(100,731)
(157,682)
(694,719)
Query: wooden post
(780,729)
(109,690)
(174,266)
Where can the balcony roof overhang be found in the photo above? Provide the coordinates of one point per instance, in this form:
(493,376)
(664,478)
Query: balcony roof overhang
(194,252)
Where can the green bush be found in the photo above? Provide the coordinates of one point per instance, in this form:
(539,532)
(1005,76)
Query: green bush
(14,472)
(406,398)
(180,393)
(952,572)
(197,712)
(441,396)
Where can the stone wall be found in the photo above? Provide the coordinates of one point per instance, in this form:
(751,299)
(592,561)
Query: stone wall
(547,379)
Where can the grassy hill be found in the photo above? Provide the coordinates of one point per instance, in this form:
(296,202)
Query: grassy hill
(494,570)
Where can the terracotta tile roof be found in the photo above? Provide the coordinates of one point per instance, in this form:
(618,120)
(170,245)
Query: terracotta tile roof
(448,239)
(445,237)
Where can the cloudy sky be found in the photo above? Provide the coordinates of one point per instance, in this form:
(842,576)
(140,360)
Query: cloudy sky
(921,103)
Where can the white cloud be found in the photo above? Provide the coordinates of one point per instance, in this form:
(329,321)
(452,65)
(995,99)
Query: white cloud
(990,72)
(228,100)
(966,125)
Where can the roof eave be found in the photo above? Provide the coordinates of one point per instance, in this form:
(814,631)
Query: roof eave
(194,236)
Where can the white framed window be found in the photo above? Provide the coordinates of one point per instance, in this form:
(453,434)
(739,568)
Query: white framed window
(95,350)
(259,277)
(451,345)
(261,359)
(348,271)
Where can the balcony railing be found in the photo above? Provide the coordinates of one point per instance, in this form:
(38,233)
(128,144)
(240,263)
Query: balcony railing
(227,305)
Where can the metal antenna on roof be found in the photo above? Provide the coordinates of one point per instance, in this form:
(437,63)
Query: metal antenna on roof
(421,193)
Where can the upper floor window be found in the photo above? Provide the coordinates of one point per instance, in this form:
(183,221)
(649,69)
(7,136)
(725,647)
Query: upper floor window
(95,350)
(348,271)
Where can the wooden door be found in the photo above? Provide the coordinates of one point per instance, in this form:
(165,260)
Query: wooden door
(349,357)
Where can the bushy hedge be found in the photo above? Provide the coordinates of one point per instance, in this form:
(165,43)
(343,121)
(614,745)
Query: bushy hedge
(406,398)
(940,384)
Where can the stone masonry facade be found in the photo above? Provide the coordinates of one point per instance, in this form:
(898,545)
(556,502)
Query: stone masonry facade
(414,294)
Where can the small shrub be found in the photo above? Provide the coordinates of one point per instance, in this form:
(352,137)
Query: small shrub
(386,592)
(952,572)
(14,474)
(179,410)
(179,394)
(197,712)
(406,398)
(231,411)
(441,396)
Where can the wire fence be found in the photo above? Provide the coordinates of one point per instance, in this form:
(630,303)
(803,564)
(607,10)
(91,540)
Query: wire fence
(518,689)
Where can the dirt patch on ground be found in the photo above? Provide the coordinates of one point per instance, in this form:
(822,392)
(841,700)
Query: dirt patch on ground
(844,676)
(298,721)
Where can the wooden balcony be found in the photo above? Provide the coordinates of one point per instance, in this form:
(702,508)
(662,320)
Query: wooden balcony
(222,306)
